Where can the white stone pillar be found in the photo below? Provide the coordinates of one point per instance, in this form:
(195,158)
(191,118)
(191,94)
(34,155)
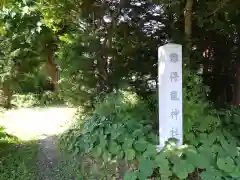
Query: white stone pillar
(170,93)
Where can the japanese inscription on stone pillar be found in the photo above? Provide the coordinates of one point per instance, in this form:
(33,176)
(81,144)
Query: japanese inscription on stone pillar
(170,93)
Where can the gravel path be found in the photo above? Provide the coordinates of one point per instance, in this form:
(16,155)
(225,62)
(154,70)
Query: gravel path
(43,125)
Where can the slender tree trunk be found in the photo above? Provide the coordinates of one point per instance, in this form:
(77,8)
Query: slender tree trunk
(102,66)
(236,91)
(51,67)
(7,93)
(236,99)
(188,23)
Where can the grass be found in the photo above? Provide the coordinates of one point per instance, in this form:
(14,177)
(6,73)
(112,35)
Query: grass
(18,159)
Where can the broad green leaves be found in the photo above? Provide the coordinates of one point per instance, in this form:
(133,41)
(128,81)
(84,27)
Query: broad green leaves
(182,169)
(130,176)
(140,145)
(130,154)
(150,151)
(236,172)
(114,148)
(128,143)
(146,168)
(97,152)
(194,158)
(226,164)
(103,141)
(162,161)
(116,140)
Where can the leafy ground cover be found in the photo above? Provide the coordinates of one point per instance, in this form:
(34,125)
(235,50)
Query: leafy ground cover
(18,159)
(118,140)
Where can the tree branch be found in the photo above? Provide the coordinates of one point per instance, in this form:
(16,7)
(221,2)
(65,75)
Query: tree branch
(220,6)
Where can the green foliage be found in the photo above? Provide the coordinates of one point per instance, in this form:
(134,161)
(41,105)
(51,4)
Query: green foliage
(120,129)
(18,158)
(98,58)
(32,100)
(79,84)
(18,163)
(20,49)
(49,98)
(24,100)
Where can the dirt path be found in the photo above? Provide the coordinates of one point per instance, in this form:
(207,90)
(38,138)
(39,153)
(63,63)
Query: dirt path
(49,158)
(43,125)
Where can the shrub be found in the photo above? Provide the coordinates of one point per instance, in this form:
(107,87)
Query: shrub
(49,98)
(26,100)
(120,134)
(44,99)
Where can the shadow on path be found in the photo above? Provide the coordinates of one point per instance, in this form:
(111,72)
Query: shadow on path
(48,157)
(53,165)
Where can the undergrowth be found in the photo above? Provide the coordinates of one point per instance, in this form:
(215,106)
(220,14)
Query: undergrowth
(35,100)
(118,140)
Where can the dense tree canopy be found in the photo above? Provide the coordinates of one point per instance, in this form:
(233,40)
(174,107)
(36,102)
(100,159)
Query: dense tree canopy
(100,46)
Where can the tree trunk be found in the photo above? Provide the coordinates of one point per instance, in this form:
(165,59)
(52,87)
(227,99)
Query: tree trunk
(51,67)
(188,23)
(7,93)
(236,91)
(236,96)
